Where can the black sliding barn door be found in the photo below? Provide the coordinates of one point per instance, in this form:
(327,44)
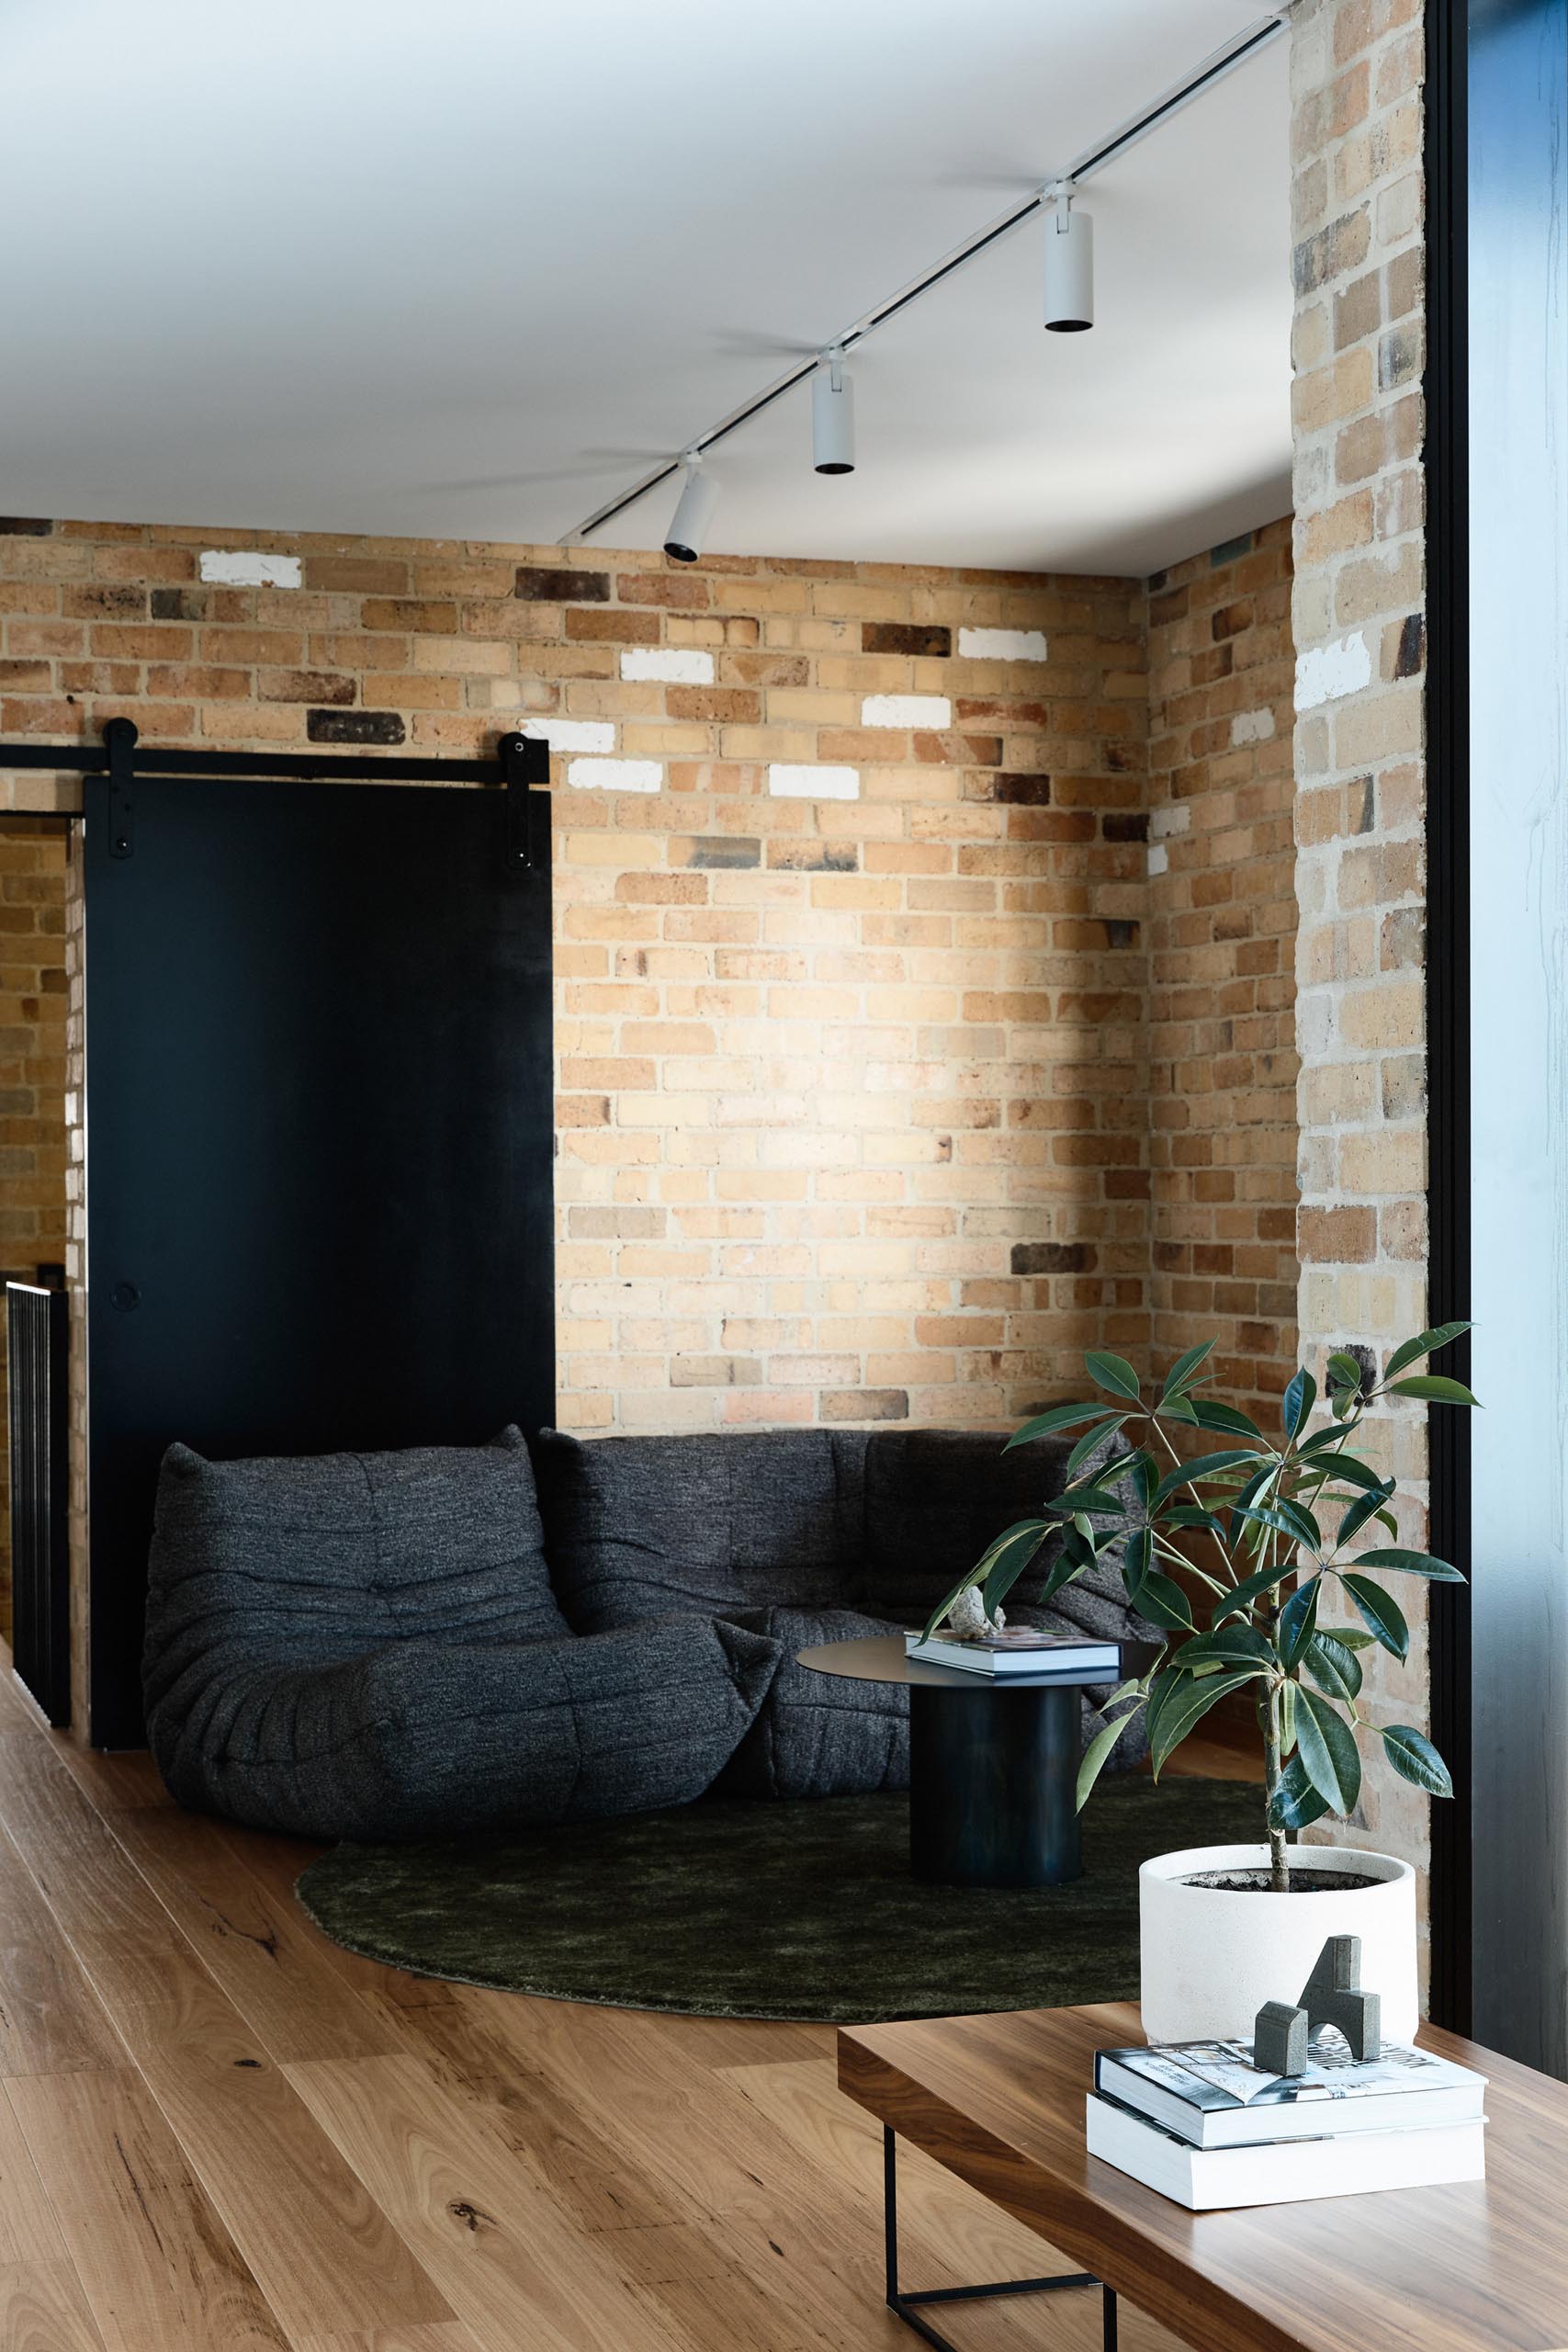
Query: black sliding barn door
(319,1143)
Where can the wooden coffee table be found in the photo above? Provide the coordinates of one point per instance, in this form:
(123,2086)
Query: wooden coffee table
(1480,2267)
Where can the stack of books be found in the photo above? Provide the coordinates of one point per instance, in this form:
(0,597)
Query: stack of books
(1200,2122)
(1074,1657)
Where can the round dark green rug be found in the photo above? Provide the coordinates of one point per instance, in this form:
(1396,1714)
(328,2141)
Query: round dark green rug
(759,1910)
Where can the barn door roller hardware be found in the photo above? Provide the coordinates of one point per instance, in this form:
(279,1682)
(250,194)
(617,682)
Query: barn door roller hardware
(519,764)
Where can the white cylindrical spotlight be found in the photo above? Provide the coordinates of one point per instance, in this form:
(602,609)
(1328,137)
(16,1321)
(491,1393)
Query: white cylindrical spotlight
(1069,267)
(832,416)
(694,513)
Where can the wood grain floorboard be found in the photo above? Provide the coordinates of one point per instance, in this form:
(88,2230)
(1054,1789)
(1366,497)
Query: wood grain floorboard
(250,1937)
(494,2243)
(160,2271)
(220,2129)
(51,2022)
(43,2308)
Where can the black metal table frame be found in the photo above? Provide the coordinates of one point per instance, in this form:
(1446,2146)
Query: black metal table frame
(906,2304)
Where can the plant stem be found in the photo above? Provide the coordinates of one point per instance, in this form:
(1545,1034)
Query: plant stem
(1279,1868)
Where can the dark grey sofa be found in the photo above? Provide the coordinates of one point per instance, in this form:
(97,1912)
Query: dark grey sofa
(384,1645)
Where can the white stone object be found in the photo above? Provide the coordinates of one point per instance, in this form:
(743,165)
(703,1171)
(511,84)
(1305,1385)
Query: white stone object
(966,1618)
(1210,1960)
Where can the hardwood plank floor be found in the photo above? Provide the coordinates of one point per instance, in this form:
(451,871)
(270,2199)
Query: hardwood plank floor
(220,2131)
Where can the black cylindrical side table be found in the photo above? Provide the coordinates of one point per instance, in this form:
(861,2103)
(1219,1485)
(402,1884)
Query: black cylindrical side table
(992,1778)
(993,1764)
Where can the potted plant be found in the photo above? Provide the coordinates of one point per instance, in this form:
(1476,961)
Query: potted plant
(1269,1532)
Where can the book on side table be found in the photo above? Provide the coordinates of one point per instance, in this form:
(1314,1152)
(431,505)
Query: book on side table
(1200,2122)
(1024,1651)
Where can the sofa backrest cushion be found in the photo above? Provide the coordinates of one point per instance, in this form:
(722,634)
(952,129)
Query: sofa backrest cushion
(324,1556)
(640,1527)
(934,1499)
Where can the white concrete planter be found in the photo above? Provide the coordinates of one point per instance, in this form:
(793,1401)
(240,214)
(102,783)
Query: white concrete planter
(1211,1960)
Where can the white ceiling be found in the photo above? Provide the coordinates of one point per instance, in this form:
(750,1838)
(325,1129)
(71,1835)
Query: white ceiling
(469,271)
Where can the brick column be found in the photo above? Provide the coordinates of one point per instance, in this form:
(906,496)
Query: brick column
(1358,619)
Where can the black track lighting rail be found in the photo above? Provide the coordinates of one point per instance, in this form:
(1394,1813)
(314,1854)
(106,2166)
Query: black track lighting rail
(1213,69)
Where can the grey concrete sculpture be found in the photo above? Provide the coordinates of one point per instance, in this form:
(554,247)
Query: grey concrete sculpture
(1331,1995)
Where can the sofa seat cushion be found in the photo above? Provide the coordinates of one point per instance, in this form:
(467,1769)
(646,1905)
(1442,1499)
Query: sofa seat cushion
(421,1738)
(640,1526)
(325,1557)
(821,1734)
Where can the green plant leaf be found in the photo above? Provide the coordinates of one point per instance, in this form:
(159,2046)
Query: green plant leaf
(1435,1388)
(1060,1417)
(1327,1746)
(1347,1467)
(1298,1621)
(1192,1515)
(1179,1409)
(1301,1395)
(1145,1476)
(1180,1377)
(1355,1637)
(1235,1604)
(1414,1756)
(1295,1804)
(1187,1704)
(1365,1507)
(1333,1666)
(1285,1518)
(1227,1645)
(1080,1500)
(1413,1564)
(1344,1372)
(1224,1420)
(1098,1753)
(1161,1598)
(1203,1465)
(1425,1343)
(1009,1556)
(1381,1610)
(1092,1438)
(1113,1372)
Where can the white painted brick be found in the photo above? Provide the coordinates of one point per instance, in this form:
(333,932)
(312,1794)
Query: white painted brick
(905,710)
(1178,819)
(1159,857)
(1002,644)
(787,783)
(675,665)
(1324,672)
(572,734)
(616,776)
(243,568)
(1252,727)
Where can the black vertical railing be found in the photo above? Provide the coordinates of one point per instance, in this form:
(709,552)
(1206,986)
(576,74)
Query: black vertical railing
(37,1327)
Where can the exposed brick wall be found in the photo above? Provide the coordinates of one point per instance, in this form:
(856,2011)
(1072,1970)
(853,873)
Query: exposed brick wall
(32,1079)
(1221,921)
(1357,69)
(850,889)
